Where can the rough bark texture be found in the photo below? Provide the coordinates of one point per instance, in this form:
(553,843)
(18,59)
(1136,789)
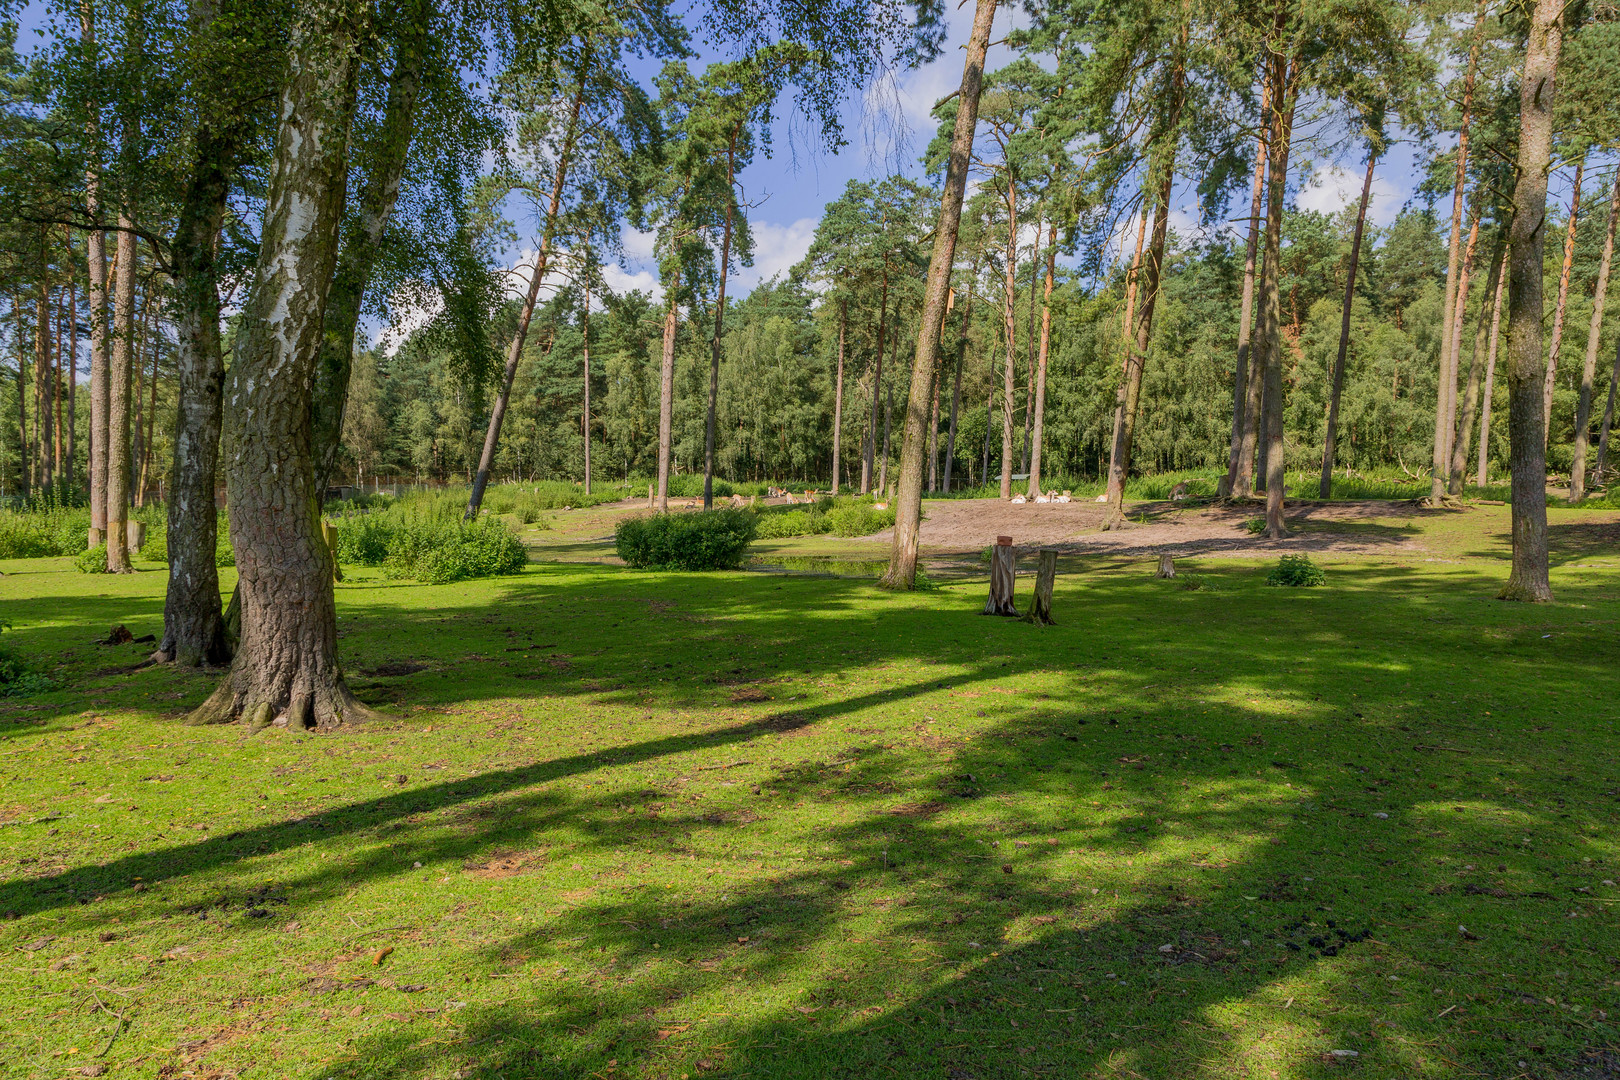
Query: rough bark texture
(1583,409)
(1003,581)
(1325,489)
(1040,366)
(118,399)
(286,668)
(1040,604)
(666,402)
(1561,306)
(357,260)
(902,571)
(838,394)
(1465,421)
(1526,412)
(1239,479)
(193,622)
(1284,75)
(1490,372)
(514,351)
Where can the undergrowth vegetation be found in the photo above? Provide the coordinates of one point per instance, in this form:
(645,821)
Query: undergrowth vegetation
(708,540)
(425,539)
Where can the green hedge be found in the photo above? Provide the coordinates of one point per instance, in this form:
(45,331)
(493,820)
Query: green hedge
(710,540)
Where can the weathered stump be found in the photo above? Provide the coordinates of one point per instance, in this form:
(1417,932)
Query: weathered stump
(1167,567)
(135,533)
(1040,607)
(330,533)
(1003,573)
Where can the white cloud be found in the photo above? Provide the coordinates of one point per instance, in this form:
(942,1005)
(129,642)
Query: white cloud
(776,249)
(622,281)
(1331,189)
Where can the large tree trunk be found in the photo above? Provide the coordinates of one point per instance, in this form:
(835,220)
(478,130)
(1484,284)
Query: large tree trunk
(1526,410)
(1040,365)
(1465,423)
(1445,411)
(838,394)
(869,447)
(1325,489)
(1583,409)
(1489,393)
(666,400)
(286,668)
(719,326)
(385,158)
(956,382)
(1246,386)
(902,571)
(1285,74)
(1009,378)
(118,390)
(1561,306)
(193,623)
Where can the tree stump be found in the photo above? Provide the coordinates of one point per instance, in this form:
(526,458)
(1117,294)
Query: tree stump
(135,534)
(1003,573)
(329,533)
(1040,608)
(1167,567)
(651,502)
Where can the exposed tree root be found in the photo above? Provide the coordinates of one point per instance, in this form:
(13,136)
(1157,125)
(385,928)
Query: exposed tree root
(324,708)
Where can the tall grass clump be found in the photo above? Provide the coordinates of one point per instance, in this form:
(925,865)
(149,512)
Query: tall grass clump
(710,540)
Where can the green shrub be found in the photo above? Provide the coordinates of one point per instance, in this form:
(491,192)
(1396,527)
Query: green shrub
(365,539)
(710,540)
(17,677)
(1256,526)
(1296,570)
(442,551)
(92,560)
(859,519)
(812,522)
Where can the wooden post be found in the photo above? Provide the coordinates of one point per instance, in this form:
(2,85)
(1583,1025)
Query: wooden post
(651,502)
(1003,572)
(1040,608)
(330,533)
(1167,567)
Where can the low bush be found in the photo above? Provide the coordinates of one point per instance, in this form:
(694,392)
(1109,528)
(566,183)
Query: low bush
(91,560)
(1296,570)
(812,522)
(1255,525)
(859,519)
(711,540)
(17,677)
(442,551)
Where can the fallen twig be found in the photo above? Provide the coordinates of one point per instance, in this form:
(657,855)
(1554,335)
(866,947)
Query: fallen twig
(117,1028)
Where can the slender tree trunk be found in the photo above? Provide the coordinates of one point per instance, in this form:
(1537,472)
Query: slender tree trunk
(138,439)
(1583,409)
(151,425)
(1447,408)
(73,379)
(587,350)
(118,388)
(1246,386)
(44,384)
(1465,423)
(838,394)
(888,415)
(1445,411)
(1526,409)
(933,432)
(666,400)
(1127,329)
(1285,74)
(95,250)
(1040,364)
(1029,344)
(1009,378)
(1489,392)
(956,388)
(1325,489)
(719,326)
(908,505)
(514,351)
(193,622)
(357,259)
(1561,306)
(60,478)
(870,446)
(1608,416)
(25,451)
(286,668)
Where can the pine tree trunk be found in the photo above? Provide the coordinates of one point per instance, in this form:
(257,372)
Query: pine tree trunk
(44,384)
(902,571)
(1453,346)
(1029,344)
(357,259)
(286,668)
(1489,393)
(1285,73)
(73,378)
(1608,417)
(719,328)
(1009,378)
(869,447)
(933,434)
(193,621)
(95,250)
(1325,489)
(838,394)
(888,414)
(1245,386)
(666,400)
(956,384)
(118,390)
(1040,365)
(151,424)
(586,348)
(1445,410)
(1561,306)
(1526,409)
(1583,409)
(1465,423)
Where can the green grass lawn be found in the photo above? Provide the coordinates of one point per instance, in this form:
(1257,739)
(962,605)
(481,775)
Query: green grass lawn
(628,825)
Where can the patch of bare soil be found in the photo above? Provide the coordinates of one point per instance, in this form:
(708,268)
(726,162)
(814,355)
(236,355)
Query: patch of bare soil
(966,526)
